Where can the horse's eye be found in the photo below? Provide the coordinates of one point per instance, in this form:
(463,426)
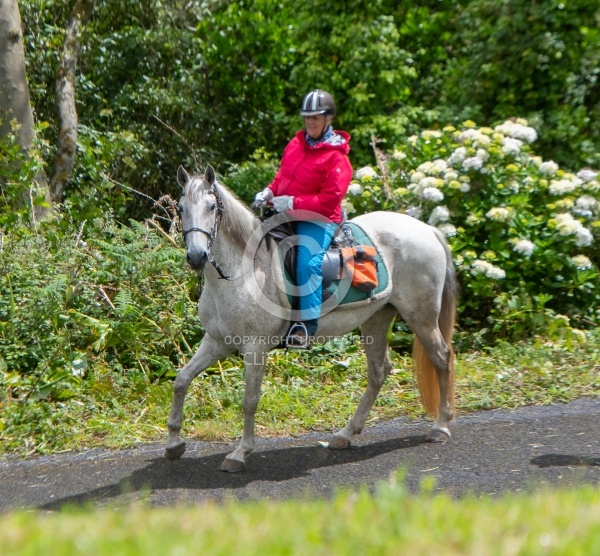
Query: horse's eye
(180,208)
(213,206)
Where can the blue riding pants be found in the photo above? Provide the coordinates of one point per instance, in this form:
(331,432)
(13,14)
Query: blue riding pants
(314,238)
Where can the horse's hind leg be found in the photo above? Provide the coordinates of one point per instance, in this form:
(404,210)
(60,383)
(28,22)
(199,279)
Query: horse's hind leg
(209,352)
(374,332)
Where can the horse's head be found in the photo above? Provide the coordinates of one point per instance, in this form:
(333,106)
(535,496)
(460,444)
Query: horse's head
(200,211)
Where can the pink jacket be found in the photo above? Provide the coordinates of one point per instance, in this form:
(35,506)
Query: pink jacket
(317,177)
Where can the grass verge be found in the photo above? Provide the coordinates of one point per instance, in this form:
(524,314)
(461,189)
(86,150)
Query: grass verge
(302,392)
(389,521)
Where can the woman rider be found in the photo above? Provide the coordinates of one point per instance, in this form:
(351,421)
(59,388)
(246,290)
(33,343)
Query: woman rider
(313,178)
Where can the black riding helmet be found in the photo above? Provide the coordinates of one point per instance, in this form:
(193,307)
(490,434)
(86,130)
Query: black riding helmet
(318,102)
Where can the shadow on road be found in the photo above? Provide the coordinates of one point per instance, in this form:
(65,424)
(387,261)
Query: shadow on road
(558,460)
(202,473)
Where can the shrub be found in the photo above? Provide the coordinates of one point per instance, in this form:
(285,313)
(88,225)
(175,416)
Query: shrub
(101,296)
(524,232)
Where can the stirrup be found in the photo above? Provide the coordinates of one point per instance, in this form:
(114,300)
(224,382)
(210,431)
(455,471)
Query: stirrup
(297,337)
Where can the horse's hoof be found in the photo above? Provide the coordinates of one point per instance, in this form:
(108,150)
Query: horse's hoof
(175,452)
(438,436)
(339,442)
(232,465)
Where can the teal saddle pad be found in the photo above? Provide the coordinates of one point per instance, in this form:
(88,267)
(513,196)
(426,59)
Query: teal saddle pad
(342,289)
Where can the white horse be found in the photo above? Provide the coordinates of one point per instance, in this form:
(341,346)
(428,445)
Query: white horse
(249,311)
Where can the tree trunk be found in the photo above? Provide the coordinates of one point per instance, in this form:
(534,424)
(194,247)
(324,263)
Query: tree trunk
(65,99)
(14,94)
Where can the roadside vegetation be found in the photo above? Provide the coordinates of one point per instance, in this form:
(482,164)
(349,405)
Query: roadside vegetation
(389,521)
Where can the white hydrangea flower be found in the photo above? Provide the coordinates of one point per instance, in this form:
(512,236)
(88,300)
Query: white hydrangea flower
(439,214)
(433,194)
(348,206)
(473,219)
(498,214)
(581,262)
(549,167)
(365,172)
(465,187)
(562,187)
(450,175)
(415,212)
(438,166)
(449,230)
(583,237)
(399,155)
(514,187)
(587,175)
(586,202)
(510,145)
(430,181)
(537,160)
(425,167)
(475,136)
(488,269)
(524,247)
(429,134)
(416,177)
(585,206)
(517,131)
(355,188)
(468,135)
(566,203)
(482,154)
(457,156)
(474,162)
(566,225)
(591,186)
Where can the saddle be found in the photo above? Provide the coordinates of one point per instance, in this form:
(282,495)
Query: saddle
(344,257)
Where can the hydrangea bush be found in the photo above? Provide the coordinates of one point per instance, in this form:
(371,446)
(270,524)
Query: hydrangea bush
(524,232)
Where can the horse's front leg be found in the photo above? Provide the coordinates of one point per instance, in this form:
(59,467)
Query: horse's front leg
(254,361)
(209,352)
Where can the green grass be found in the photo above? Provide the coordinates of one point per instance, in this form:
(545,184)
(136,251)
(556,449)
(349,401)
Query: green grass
(388,522)
(316,391)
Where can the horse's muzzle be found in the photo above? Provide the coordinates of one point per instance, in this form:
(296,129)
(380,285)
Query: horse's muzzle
(197,259)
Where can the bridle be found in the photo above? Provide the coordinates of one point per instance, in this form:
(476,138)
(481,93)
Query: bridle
(212,234)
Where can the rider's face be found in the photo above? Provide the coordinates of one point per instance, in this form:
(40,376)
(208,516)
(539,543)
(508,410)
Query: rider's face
(316,125)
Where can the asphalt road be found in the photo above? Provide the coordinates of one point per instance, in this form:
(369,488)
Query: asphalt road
(490,453)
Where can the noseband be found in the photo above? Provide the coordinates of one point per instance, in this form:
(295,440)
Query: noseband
(212,234)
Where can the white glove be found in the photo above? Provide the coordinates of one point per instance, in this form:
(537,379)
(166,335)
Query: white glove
(285,202)
(264,196)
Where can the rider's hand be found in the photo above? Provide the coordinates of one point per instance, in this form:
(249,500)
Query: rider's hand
(263,197)
(284,202)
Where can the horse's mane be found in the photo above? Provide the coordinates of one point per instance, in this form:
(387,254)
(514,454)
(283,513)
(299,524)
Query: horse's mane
(237,220)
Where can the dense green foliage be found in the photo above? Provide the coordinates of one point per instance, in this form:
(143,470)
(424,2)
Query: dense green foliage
(228,77)
(121,300)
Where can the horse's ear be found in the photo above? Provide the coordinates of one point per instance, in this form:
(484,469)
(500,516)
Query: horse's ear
(209,175)
(182,176)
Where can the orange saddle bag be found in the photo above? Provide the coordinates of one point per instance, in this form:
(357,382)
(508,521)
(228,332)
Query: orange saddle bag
(360,264)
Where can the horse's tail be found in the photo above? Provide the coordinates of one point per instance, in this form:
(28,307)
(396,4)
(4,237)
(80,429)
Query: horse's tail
(426,375)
